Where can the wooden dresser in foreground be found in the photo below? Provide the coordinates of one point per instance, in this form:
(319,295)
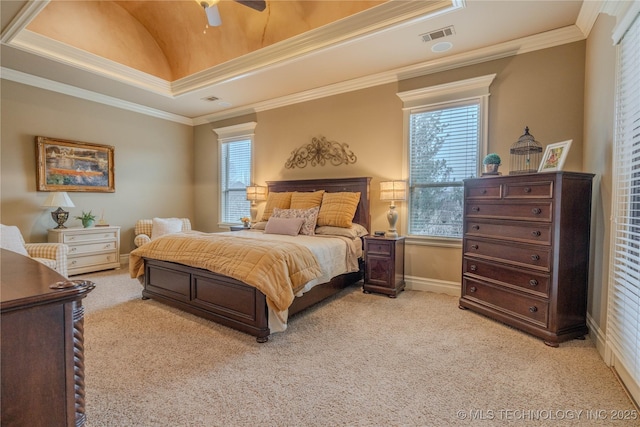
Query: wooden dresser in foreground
(526,252)
(42,345)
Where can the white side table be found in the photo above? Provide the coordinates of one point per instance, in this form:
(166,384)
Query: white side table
(90,249)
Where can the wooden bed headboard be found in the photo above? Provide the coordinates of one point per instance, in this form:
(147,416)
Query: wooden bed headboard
(334,185)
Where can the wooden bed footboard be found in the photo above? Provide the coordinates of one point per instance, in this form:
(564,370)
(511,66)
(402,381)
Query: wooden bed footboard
(224,300)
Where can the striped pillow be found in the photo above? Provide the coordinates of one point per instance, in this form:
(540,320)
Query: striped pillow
(338,209)
(276,200)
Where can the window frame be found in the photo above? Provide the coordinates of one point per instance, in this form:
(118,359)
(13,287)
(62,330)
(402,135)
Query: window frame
(432,98)
(226,135)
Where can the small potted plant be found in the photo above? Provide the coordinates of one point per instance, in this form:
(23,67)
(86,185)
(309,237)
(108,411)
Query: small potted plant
(245,221)
(87,219)
(491,163)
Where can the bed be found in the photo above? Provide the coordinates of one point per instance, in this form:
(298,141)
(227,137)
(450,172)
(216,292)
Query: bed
(234,303)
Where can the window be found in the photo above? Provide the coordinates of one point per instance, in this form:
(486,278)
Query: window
(623,313)
(235,171)
(446,128)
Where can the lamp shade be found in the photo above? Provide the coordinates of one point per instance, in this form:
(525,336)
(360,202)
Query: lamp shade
(393,190)
(256,193)
(60,199)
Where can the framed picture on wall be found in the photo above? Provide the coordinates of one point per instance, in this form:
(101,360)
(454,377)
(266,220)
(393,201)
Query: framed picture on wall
(74,166)
(554,156)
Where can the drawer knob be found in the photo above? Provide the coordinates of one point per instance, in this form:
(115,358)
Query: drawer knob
(73,249)
(533,282)
(473,267)
(474,246)
(475,209)
(484,191)
(473,289)
(73,262)
(533,309)
(535,257)
(527,189)
(476,227)
(536,233)
(536,211)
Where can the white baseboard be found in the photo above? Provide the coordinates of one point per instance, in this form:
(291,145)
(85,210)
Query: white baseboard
(432,285)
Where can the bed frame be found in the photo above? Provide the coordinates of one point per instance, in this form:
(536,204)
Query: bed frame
(233,303)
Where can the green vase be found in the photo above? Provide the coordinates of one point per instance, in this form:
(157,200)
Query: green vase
(86,223)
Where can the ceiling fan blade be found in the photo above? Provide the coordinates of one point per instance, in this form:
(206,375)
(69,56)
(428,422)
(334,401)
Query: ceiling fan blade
(258,5)
(213,16)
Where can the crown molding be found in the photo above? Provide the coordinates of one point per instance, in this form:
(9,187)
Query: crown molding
(28,12)
(83,60)
(65,89)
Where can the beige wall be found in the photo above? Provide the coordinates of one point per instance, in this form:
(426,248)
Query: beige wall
(599,113)
(542,90)
(153,161)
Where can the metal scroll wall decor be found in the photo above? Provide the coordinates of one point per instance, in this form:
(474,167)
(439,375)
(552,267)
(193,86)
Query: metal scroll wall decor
(320,151)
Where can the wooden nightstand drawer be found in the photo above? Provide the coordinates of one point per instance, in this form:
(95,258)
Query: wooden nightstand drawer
(538,257)
(489,191)
(378,247)
(531,309)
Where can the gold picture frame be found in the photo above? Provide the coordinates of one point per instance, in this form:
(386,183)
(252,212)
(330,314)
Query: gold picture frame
(555,156)
(64,165)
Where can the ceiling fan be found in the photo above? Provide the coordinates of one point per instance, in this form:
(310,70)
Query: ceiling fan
(213,15)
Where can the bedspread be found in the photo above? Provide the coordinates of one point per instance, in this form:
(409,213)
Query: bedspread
(278,269)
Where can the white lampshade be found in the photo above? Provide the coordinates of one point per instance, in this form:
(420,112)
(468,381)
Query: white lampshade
(256,193)
(393,190)
(60,199)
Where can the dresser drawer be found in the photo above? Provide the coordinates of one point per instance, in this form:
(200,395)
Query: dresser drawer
(92,247)
(514,211)
(528,190)
(486,191)
(537,233)
(529,308)
(91,260)
(89,236)
(517,278)
(538,257)
(377,247)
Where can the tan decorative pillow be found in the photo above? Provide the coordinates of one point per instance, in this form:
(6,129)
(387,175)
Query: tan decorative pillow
(306,200)
(276,200)
(338,209)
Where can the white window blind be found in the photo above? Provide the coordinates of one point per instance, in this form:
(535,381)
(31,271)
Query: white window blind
(444,147)
(623,323)
(235,176)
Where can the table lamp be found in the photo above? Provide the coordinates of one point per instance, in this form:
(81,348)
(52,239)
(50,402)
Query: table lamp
(393,191)
(62,200)
(256,193)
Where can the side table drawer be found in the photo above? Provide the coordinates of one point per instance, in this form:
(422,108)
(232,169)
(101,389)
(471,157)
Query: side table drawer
(92,247)
(88,237)
(514,304)
(378,271)
(91,260)
(378,248)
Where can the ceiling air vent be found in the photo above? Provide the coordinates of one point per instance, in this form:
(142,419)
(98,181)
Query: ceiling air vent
(210,98)
(437,34)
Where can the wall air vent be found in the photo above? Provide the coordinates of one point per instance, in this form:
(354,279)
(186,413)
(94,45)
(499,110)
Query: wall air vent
(437,34)
(210,98)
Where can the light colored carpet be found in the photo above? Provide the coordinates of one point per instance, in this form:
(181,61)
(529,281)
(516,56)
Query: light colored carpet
(355,360)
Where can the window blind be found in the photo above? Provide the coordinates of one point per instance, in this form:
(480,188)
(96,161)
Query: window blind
(444,150)
(235,177)
(623,323)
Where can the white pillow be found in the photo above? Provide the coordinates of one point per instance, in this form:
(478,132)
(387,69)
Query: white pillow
(356,230)
(11,239)
(162,226)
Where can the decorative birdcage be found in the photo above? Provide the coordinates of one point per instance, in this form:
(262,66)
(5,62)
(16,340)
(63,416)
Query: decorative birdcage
(525,154)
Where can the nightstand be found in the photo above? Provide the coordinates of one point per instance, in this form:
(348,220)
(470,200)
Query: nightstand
(384,265)
(90,249)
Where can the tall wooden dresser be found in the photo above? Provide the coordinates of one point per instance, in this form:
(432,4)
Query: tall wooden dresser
(526,252)
(42,344)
